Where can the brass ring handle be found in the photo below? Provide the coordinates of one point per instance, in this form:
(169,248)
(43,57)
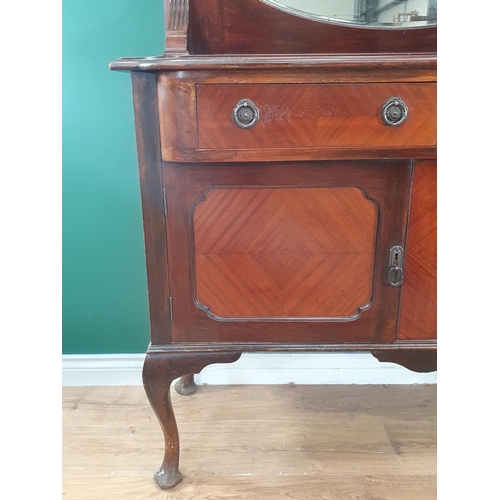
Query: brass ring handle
(394,112)
(245,113)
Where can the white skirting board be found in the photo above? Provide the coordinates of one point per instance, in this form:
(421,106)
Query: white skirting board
(251,368)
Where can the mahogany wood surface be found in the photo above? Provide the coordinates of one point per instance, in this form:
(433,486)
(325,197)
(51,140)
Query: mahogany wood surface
(275,241)
(300,154)
(402,66)
(417,360)
(178,111)
(151,183)
(285,252)
(317,115)
(296,69)
(251,27)
(386,182)
(160,370)
(250,346)
(176,25)
(418,317)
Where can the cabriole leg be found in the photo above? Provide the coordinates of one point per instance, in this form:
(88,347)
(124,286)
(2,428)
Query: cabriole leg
(160,370)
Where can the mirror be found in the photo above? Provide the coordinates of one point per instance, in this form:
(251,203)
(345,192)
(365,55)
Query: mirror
(377,13)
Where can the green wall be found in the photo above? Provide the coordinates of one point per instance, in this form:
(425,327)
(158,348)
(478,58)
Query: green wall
(104,275)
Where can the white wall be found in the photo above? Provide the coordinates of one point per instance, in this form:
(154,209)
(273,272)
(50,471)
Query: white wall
(251,368)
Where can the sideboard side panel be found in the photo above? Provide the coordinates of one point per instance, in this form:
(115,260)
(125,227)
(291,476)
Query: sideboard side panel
(150,175)
(418,317)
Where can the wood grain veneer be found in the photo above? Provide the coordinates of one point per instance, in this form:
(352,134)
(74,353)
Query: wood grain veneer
(418,317)
(292,252)
(387,183)
(308,116)
(178,110)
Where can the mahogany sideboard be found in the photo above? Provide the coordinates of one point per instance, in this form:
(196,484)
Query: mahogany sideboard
(288,182)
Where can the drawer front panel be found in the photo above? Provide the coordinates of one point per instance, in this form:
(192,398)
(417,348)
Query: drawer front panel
(316,116)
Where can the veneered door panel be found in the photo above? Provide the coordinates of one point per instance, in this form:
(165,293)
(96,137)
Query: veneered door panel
(418,319)
(285,251)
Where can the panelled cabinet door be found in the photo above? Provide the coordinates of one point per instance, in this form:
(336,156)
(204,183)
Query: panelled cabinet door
(301,250)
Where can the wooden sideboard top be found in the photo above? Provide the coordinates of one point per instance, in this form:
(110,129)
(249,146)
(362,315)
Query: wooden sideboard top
(184,61)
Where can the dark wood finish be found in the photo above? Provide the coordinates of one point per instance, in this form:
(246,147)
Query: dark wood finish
(417,360)
(400,67)
(302,154)
(214,347)
(160,370)
(151,183)
(389,68)
(418,316)
(176,25)
(251,27)
(178,112)
(212,194)
(317,115)
(387,183)
(285,252)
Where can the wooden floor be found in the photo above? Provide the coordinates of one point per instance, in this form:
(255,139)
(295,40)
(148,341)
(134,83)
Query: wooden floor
(345,442)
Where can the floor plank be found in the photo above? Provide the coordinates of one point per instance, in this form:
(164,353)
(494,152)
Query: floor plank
(255,442)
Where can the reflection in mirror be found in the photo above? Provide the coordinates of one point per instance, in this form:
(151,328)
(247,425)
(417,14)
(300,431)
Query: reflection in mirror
(381,13)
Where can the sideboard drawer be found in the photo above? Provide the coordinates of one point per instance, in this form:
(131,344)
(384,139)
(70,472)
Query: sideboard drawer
(315,116)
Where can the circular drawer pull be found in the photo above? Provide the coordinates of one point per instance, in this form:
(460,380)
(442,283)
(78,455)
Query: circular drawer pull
(245,114)
(394,112)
